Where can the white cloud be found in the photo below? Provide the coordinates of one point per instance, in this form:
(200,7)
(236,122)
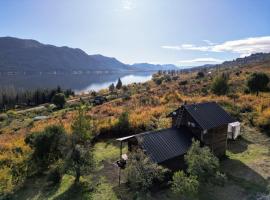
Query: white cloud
(202,60)
(244,47)
(128,4)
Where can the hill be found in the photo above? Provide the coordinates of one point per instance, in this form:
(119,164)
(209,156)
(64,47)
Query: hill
(257,58)
(30,56)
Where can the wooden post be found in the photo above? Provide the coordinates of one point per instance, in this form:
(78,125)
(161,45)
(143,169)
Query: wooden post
(120,157)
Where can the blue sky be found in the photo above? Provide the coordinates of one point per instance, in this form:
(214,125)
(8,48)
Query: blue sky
(182,32)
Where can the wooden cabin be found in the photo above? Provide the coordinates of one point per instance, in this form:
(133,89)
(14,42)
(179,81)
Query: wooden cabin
(206,122)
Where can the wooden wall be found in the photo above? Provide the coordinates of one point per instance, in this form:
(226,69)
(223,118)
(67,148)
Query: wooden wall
(216,139)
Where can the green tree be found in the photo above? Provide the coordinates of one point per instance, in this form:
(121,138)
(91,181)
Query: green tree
(200,74)
(59,100)
(123,125)
(48,145)
(202,163)
(183,185)
(80,158)
(119,84)
(111,87)
(220,85)
(257,82)
(142,172)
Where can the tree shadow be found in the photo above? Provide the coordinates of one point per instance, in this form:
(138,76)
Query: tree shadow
(244,176)
(75,191)
(238,146)
(35,187)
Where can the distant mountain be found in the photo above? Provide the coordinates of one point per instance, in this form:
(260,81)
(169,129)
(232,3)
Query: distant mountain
(154,67)
(20,55)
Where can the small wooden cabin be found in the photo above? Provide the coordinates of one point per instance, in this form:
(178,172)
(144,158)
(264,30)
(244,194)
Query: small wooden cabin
(206,122)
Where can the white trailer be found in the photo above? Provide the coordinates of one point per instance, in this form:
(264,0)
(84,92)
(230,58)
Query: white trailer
(234,130)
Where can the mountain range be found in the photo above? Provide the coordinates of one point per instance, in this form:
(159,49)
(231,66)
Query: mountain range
(30,56)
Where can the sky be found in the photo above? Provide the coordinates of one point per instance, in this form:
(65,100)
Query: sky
(181,32)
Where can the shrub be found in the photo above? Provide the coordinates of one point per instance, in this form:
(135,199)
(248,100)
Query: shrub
(263,121)
(3,117)
(200,74)
(142,172)
(220,85)
(48,145)
(183,185)
(183,82)
(202,163)
(257,82)
(59,100)
(123,125)
(111,87)
(6,185)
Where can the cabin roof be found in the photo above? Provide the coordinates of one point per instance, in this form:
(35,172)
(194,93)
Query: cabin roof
(165,144)
(208,115)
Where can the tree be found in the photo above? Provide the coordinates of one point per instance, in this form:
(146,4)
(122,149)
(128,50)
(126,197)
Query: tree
(257,82)
(220,85)
(202,163)
(142,172)
(119,84)
(123,125)
(80,158)
(48,145)
(183,185)
(59,100)
(111,87)
(200,74)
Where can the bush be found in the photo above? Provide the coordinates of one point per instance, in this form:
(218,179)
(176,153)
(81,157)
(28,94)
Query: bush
(183,82)
(123,126)
(48,145)
(3,117)
(220,85)
(257,82)
(200,74)
(59,100)
(263,121)
(142,172)
(157,79)
(202,163)
(185,185)
(6,184)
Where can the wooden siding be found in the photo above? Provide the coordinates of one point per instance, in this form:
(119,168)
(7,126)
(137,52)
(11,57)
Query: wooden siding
(216,139)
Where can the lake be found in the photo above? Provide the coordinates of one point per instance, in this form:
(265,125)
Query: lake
(77,82)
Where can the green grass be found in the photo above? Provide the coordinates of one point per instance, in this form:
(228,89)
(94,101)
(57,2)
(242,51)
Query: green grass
(253,152)
(108,151)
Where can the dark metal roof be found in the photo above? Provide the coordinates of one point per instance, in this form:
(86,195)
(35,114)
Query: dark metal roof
(165,144)
(209,115)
